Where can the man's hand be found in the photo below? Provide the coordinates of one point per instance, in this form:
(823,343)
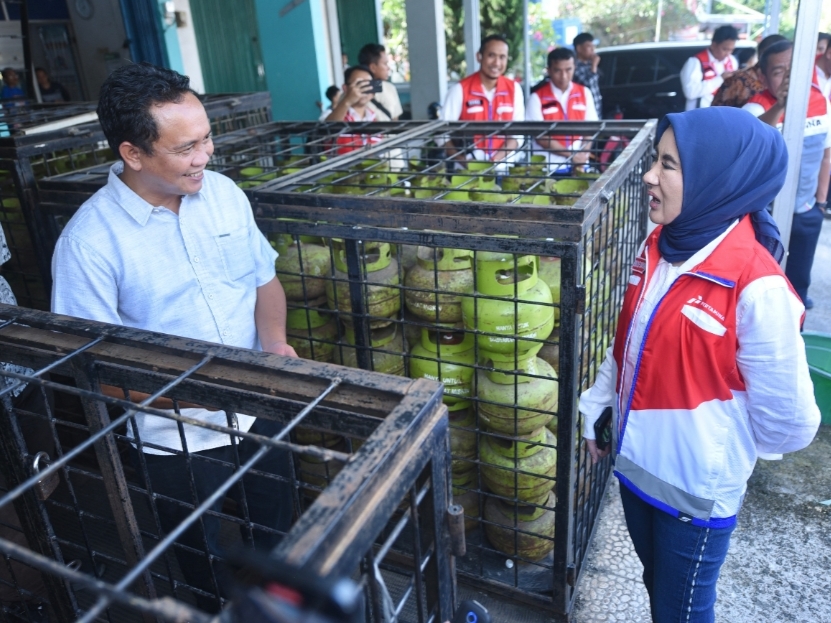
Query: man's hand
(782,92)
(596,454)
(727,74)
(595,62)
(281,348)
(354,92)
(581,157)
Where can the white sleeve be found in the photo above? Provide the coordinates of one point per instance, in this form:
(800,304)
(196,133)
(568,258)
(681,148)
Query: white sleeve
(84,283)
(692,80)
(771,358)
(452,109)
(591,108)
(757,110)
(519,103)
(600,395)
(533,112)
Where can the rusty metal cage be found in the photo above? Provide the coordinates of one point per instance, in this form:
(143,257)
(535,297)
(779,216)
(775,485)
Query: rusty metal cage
(381,256)
(501,280)
(360,476)
(40,140)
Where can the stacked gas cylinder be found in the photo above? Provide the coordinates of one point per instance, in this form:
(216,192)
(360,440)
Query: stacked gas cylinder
(512,313)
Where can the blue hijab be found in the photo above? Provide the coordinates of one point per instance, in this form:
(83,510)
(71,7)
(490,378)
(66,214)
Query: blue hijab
(733,164)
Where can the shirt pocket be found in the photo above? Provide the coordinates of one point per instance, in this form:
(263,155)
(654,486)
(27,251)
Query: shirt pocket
(236,253)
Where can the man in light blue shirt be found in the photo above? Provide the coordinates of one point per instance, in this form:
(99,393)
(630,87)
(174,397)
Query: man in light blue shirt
(169,246)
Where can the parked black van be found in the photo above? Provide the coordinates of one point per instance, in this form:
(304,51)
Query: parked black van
(643,80)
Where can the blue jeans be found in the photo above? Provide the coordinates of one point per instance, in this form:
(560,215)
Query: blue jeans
(681,562)
(805,233)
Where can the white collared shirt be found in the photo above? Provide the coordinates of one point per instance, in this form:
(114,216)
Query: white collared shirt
(534,113)
(124,261)
(693,83)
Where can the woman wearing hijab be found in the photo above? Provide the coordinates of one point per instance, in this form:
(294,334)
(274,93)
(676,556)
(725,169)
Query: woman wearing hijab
(708,368)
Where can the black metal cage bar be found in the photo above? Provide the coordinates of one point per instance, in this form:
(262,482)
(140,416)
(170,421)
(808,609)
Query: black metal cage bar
(502,281)
(41,140)
(360,461)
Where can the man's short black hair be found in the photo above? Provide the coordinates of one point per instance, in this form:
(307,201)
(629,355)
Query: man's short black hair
(723,33)
(824,36)
(126,100)
(768,41)
(347,75)
(370,53)
(559,54)
(776,48)
(331,92)
(490,38)
(582,38)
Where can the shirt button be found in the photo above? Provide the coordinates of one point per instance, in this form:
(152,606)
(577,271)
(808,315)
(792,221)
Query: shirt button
(196,259)
(211,296)
(225,333)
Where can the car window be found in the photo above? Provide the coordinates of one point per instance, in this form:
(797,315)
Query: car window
(636,67)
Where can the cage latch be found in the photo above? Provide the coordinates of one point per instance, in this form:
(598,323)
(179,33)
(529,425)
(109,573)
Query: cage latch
(45,486)
(456,527)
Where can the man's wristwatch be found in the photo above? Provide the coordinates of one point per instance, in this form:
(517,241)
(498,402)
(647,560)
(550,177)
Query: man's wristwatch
(822,205)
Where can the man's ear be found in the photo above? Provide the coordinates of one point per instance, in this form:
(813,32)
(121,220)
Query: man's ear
(131,155)
(479,57)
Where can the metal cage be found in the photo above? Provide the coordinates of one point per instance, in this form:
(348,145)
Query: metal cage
(83,533)
(381,256)
(41,140)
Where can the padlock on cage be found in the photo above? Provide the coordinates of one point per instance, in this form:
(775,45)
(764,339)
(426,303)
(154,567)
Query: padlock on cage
(45,486)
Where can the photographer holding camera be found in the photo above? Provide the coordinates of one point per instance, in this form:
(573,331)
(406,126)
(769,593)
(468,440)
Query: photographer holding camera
(359,88)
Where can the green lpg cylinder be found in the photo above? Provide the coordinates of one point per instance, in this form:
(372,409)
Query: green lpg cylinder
(508,526)
(455,370)
(380,270)
(524,403)
(309,329)
(538,465)
(317,472)
(301,265)
(550,274)
(462,437)
(389,338)
(438,278)
(503,275)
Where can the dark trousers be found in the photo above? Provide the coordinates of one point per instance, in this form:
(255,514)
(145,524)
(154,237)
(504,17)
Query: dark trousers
(681,562)
(804,237)
(268,500)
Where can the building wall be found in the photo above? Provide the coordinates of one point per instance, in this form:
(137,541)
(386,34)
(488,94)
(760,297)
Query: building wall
(101,43)
(187,46)
(295,56)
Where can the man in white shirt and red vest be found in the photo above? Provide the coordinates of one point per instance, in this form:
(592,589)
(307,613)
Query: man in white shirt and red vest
(812,187)
(486,95)
(561,99)
(704,73)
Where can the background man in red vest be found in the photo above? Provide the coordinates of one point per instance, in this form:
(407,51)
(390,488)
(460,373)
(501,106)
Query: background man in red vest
(486,95)
(812,189)
(561,99)
(704,73)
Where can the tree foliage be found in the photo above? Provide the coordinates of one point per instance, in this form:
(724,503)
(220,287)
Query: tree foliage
(616,23)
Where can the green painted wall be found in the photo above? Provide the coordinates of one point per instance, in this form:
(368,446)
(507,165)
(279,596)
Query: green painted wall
(229,45)
(358,25)
(294,48)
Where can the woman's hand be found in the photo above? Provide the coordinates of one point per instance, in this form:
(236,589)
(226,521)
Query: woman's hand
(596,454)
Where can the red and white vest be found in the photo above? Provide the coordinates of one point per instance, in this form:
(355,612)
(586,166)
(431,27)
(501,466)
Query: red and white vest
(708,70)
(476,107)
(552,110)
(350,142)
(686,383)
